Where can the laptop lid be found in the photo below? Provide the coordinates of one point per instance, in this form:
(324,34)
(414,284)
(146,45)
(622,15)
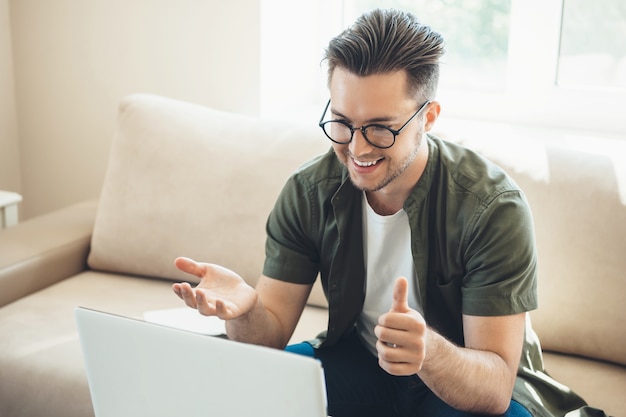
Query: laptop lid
(135,368)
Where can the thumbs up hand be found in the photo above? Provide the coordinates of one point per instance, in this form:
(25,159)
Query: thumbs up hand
(401,335)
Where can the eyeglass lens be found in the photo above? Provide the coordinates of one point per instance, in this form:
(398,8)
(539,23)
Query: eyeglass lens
(376,135)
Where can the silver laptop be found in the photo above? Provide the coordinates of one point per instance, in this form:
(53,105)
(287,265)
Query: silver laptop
(136,368)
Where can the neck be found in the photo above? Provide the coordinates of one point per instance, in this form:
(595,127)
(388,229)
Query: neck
(382,205)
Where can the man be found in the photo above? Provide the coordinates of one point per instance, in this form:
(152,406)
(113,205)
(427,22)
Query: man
(425,250)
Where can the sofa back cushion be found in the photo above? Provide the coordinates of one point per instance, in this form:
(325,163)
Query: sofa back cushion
(185,180)
(577,193)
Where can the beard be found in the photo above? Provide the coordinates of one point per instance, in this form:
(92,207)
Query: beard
(392,171)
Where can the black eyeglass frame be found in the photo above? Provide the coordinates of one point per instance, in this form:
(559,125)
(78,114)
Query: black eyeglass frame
(364,128)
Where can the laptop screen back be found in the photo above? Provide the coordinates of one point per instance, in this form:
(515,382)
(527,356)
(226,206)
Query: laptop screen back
(135,368)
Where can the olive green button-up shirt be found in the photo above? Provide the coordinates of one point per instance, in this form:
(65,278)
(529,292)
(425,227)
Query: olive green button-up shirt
(472,241)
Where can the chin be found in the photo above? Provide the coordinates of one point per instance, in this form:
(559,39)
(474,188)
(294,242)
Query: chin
(367,186)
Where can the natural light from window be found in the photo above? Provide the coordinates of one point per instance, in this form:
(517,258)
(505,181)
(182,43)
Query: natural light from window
(476,34)
(545,63)
(593,44)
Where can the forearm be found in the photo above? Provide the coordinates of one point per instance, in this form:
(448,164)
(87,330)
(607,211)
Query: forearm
(259,326)
(467,379)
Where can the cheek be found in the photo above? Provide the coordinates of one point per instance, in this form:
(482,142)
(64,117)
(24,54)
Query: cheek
(414,141)
(340,151)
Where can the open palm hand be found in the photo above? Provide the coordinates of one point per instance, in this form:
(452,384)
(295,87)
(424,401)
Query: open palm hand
(221,292)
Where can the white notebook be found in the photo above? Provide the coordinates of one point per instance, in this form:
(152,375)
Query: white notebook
(186,318)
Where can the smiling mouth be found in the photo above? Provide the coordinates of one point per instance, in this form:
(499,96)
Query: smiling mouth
(366,164)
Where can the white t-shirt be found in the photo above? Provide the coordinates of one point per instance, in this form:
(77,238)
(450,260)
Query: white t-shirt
(387,252)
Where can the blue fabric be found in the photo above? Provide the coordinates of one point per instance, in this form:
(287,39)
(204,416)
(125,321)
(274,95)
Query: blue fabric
(357,386)
(303,349)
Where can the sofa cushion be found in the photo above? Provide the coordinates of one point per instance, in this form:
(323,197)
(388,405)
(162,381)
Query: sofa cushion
(601,384)
(44,343)
(185,180)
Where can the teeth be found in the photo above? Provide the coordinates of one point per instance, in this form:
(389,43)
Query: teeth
(366,164)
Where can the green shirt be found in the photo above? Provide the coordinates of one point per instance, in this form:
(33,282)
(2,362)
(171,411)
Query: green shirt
(472,241)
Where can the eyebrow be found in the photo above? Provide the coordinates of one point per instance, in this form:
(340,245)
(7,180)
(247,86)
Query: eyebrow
(385,119)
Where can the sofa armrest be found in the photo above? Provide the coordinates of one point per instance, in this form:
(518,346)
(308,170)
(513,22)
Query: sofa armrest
(44,250)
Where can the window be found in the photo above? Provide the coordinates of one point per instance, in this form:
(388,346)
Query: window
(557,63)
(476,34)
(593,44)
(544,63)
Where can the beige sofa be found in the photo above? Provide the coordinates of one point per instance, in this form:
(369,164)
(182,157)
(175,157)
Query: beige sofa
(187,180)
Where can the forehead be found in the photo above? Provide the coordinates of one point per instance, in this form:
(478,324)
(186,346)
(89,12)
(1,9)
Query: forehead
(371,96)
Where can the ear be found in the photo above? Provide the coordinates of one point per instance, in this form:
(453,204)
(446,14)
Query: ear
(431,115)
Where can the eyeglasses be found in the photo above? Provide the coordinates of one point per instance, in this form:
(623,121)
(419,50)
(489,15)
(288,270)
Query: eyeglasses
(377,135)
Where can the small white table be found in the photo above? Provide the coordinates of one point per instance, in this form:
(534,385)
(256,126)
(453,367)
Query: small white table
(8,208)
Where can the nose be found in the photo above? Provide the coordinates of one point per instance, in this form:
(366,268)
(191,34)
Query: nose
(359,146)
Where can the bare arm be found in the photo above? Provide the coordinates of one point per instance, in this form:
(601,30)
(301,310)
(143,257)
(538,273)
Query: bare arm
(275,316)
(478,377)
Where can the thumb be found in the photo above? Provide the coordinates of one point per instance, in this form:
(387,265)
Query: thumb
(189,266)
(400,302)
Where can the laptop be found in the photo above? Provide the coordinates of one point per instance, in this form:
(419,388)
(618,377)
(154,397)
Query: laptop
(136,368)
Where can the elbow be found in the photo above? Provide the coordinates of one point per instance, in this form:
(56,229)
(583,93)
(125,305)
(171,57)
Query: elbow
(500,407)
(500,403)
(496,404)
(494,407)
(502,395)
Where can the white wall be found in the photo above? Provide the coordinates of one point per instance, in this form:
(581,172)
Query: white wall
(75,59)
(9,149)
(293,76)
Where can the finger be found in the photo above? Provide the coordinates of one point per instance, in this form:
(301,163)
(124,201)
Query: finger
(400,302)
(391,358)
(390,352)
(177,291)
(205,307)
(187,294)
(396,368)
(189,266)
(389,337)
(221,310)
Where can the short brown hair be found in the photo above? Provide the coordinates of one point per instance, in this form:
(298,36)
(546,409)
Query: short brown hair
(384,41)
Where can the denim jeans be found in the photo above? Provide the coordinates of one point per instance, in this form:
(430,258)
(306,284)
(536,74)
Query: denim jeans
(357,386)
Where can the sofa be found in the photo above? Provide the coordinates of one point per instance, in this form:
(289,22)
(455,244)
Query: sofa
(186,180)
